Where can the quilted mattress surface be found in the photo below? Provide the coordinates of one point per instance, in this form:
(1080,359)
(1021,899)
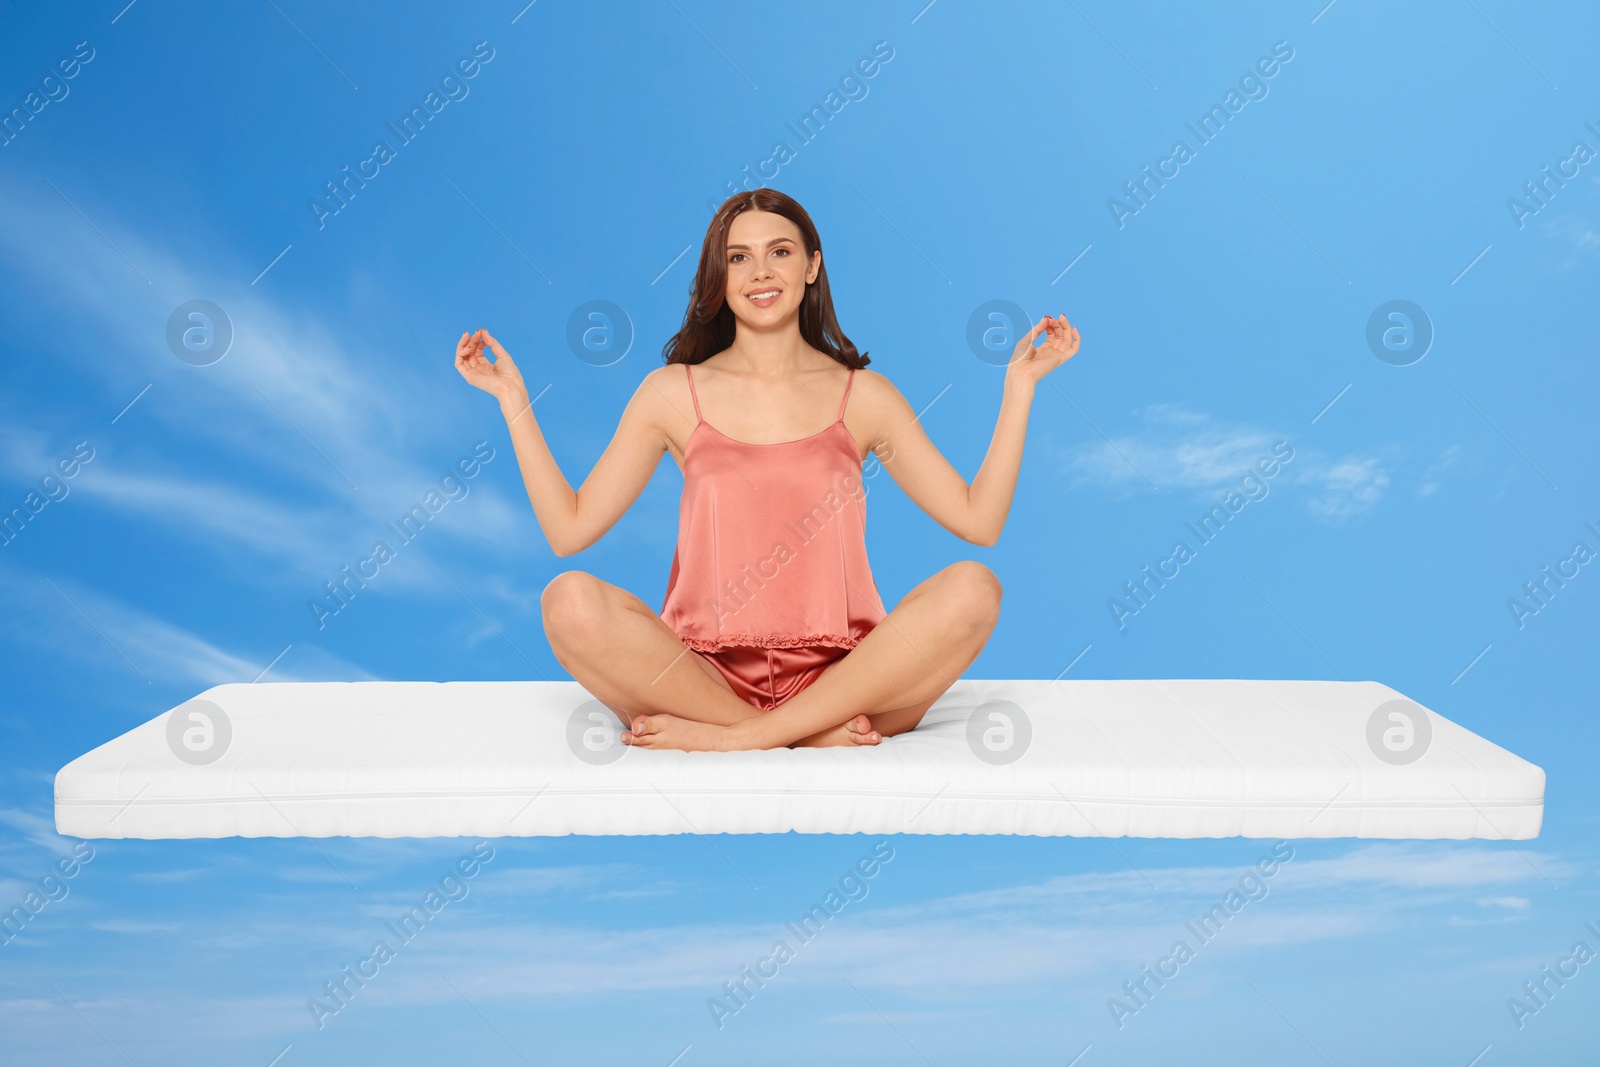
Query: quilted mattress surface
(1085,758)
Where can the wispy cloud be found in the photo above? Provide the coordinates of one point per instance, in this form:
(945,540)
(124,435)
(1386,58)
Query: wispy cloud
(1050,929)
(32,842)
(1186,450)
(1575,228)
(124,926)
(1494,911)
(1179,449)
(1433,476)
(300,409)
(1072,935)
(116,636)
(1347,488)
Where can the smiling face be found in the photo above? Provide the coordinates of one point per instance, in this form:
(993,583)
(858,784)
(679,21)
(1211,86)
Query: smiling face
(767,269)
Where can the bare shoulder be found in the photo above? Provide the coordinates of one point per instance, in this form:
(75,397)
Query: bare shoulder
(663,404)
(872,384)
(666,381)
(875,395)
(875,407)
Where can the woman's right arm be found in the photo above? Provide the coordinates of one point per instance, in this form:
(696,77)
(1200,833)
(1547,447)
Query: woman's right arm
(572,520)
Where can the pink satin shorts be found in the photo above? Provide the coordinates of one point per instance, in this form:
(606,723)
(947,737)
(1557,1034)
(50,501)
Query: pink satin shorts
(767,677)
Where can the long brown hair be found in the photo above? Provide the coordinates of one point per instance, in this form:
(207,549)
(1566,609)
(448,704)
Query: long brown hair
(708,322)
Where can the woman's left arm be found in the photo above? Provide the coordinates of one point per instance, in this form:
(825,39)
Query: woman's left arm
(975,512)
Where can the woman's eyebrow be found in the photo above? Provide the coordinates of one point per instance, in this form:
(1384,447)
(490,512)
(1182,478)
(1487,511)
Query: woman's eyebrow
(775,240)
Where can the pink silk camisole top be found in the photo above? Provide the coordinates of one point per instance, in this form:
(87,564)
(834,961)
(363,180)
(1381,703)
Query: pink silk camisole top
(772,546)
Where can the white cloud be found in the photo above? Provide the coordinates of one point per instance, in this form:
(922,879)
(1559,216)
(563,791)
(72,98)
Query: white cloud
(1401,865)
(123,926)
(294,405)
(1079,934)
(93,628)
(1431,478)
(1577,232)
(232,514)
(1187,450)
(1182,449)
(1495,911)
(1348,488)
(223,1021)
(1050,930)
(34,829)
(28,853)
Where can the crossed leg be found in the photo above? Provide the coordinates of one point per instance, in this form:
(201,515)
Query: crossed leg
(966,590)
(891,677)
(621,651)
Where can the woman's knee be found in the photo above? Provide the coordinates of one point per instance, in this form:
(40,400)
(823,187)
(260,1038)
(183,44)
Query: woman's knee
(976,591)
(573,604)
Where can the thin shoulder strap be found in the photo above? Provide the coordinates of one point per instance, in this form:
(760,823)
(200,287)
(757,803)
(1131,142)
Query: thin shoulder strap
(848,382)
(698,417)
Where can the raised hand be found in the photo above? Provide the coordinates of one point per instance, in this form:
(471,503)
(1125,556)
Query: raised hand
(501,378)
(1033,363)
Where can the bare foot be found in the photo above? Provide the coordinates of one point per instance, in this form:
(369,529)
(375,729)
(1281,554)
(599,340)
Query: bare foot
(858,731)
(670,731)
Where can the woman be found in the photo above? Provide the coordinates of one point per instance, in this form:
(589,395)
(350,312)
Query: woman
(772,632)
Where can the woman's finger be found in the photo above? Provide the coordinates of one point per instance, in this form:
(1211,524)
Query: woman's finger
(1052,332)
(494,344)
(1025,344)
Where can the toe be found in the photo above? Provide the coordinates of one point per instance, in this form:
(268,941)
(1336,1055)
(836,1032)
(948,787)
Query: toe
(861,731)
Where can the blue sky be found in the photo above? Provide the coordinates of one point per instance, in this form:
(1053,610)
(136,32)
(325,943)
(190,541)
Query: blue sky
(1229,310)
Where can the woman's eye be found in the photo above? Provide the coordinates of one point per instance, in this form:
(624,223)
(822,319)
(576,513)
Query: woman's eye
(735,257)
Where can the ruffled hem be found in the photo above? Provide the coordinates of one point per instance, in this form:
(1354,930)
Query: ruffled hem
(729,640)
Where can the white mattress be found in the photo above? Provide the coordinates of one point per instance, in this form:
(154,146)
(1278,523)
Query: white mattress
(1189,758)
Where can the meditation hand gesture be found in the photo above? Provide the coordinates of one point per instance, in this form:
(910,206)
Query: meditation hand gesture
(1031,363)
(501,378)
